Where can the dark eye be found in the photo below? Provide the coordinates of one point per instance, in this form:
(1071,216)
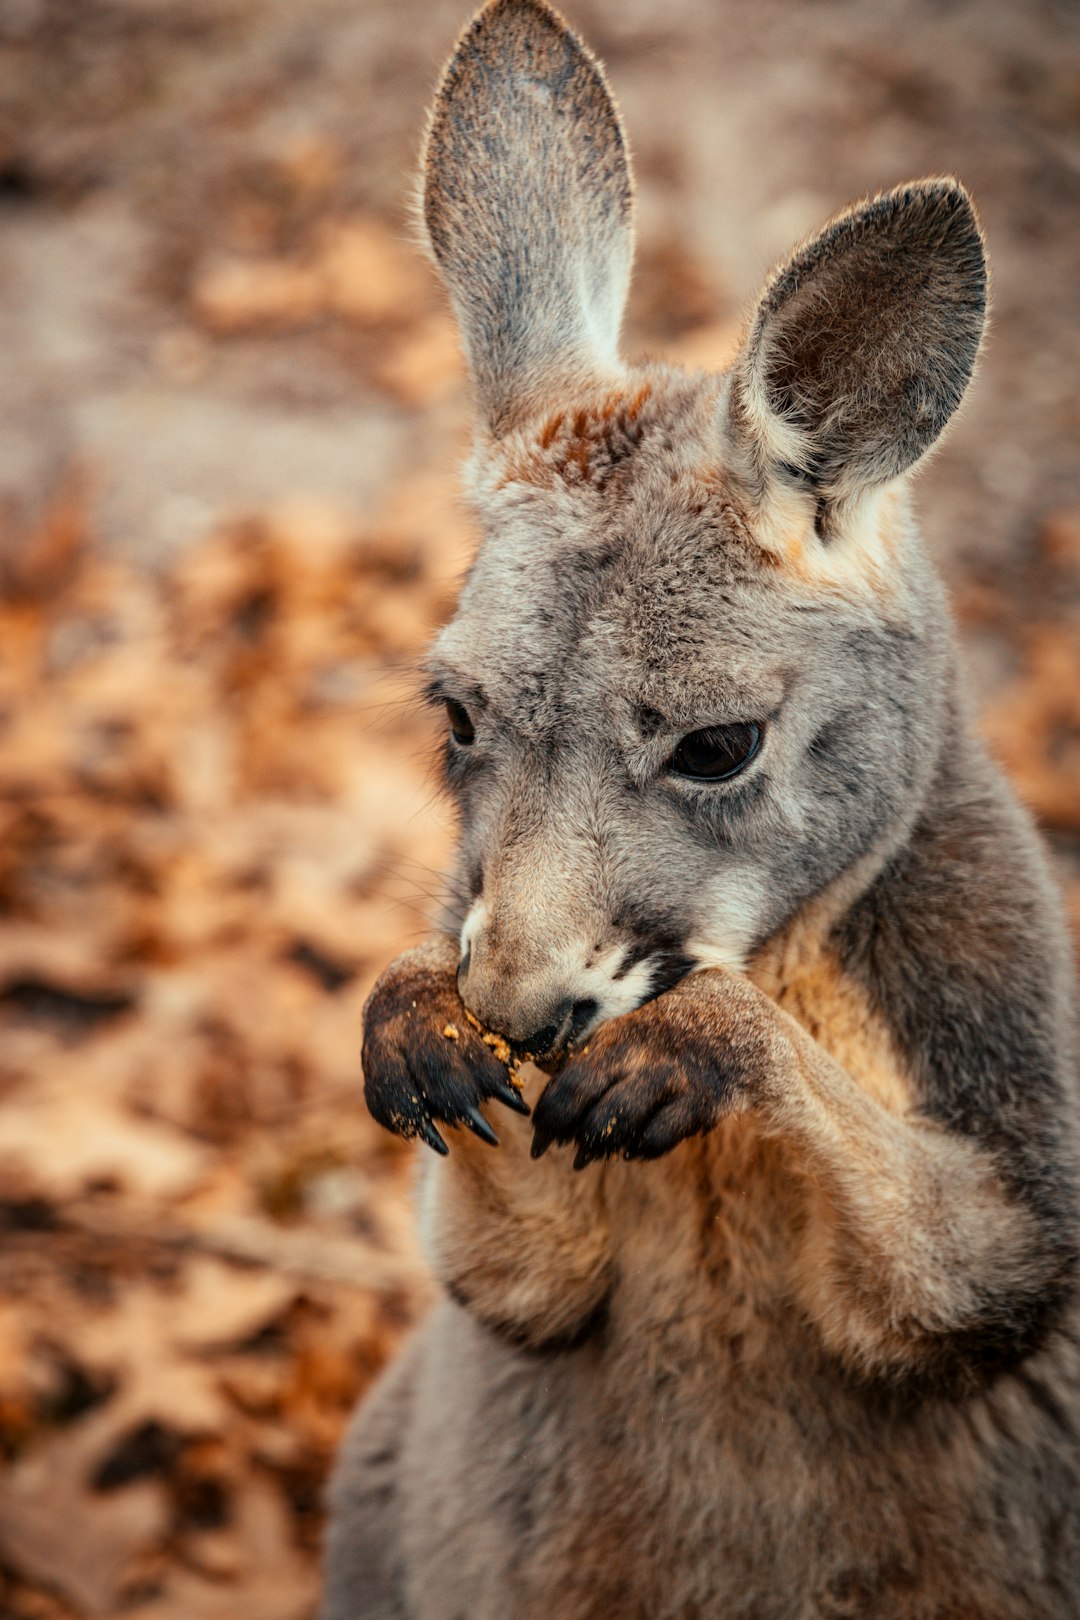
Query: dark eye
(717,752)
(461,727)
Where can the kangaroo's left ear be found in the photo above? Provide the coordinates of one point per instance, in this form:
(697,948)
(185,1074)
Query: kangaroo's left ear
(863,343)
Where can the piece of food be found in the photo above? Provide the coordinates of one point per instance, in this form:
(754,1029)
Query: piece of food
(501,1049)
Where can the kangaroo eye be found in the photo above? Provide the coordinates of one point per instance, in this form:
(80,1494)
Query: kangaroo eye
(461,727)
(717,752)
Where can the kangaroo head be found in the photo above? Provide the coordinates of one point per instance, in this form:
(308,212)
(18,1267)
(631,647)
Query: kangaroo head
(699,668)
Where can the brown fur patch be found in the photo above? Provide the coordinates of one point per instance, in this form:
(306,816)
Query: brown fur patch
(528,1254)
(799,971)
(583,446)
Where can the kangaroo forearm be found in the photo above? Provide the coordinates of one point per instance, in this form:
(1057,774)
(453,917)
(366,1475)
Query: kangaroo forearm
(525,1246)
(914,1244)
(917,1244)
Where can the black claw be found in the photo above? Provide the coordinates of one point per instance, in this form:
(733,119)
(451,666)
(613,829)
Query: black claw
(505,1093)
(479,1126)
(540,1145)
(583,1157)
(433,1139)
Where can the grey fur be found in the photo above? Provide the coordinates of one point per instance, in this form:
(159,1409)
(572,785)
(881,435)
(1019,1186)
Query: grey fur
(864,343)
(819,1358)
(530,223)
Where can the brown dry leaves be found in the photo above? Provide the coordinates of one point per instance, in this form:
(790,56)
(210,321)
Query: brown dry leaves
(211,802)
(1035,728)
(354,272)
(1033,724)
(210,787)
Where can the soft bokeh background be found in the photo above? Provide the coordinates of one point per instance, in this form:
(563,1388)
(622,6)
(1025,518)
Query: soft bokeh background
(230,412)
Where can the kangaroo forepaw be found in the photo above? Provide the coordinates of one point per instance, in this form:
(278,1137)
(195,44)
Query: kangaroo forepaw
(424,1061)
(649,1080)
(632,1109)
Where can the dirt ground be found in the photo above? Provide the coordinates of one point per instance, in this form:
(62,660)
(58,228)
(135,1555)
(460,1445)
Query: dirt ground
(230,412)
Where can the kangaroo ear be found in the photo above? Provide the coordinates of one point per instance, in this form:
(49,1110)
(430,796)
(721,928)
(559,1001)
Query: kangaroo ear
(527,200)
(863,344)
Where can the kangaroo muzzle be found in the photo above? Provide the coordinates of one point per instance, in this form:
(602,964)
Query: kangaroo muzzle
(533,1003)
(543,999)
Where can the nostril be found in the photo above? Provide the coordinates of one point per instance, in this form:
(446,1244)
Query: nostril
(567,1022)
(583,1014)
(539,1042)
(544,1039)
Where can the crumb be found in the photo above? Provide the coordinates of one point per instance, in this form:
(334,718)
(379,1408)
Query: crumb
(500,1048)
(452,1032)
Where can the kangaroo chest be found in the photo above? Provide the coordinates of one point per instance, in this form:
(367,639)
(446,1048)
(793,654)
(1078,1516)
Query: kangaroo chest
(800,971)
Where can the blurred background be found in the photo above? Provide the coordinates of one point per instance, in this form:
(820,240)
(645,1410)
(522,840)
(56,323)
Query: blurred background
(231,409)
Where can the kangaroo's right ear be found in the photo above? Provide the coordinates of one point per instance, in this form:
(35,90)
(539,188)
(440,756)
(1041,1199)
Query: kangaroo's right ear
(864,342)
(527,200)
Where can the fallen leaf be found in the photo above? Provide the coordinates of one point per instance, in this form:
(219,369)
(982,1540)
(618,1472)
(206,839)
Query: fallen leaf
(55,1530)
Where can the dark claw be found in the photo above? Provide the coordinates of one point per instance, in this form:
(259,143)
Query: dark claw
(479,1126)
(433,1139)
(504,1092)
(540,1145)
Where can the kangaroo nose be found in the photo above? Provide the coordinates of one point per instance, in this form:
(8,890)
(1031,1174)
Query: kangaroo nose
(567,1021)
(541,1040)
(563,1017)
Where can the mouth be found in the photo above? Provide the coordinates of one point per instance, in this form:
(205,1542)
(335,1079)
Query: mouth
(554,1062)
(562,1041)
(559,1044)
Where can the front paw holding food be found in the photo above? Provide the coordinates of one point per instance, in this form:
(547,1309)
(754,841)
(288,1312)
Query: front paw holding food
(424,1059)
(650,1079)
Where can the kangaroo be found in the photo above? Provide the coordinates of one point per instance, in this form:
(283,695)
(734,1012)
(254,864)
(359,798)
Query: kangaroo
(762,1307)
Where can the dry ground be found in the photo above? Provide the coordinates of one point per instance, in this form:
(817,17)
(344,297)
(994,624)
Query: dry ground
(230,408)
